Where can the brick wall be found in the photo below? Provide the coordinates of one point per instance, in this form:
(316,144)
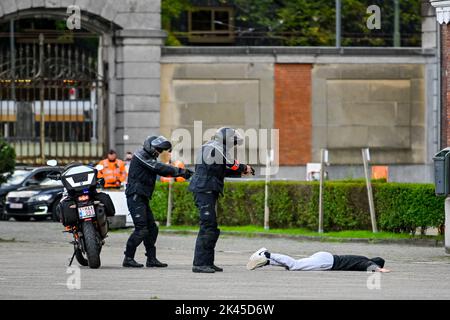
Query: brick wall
(293,112)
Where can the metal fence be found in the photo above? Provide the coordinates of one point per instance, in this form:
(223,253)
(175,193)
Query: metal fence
(52,102)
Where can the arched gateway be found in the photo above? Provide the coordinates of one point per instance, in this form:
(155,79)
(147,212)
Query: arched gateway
(87,90)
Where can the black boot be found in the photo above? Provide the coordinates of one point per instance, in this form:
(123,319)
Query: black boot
(203,269)
(131,263)
(216,268)
(155,263)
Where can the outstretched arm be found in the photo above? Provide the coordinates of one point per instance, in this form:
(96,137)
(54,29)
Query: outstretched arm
(157,166)
(234,169)
(163,169)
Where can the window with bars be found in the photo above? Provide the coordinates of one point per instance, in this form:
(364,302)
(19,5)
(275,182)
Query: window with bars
(211,25)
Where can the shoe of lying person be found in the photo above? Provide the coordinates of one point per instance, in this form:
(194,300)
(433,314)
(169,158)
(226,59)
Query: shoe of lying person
(257,259)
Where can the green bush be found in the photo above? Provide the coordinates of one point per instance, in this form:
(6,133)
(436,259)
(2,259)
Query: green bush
(400,207)
(7,159)
(404,207)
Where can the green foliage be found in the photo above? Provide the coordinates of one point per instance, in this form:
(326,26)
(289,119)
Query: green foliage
(172,40)
(400,207)
(184,210)
(248,204)
(171,10)
(337,235)
(356,33)
(183,207)
(404,207)
(305,22)
(7,159)
(158,203)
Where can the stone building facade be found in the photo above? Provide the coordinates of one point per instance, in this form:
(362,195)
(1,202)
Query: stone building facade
(387,99)
(130,46)
(342,100)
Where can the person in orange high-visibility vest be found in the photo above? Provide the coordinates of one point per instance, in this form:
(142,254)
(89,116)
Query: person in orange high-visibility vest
(177,164)
(113,172)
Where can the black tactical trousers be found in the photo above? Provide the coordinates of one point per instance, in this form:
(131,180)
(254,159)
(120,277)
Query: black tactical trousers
(145,228)
(208,233)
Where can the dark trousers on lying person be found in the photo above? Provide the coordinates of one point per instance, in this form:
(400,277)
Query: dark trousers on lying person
(355,263)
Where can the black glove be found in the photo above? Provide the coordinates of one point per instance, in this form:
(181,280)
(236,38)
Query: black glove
(252,171)
(185,173)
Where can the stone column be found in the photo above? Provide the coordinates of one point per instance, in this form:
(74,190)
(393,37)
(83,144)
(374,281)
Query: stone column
(444,84)
(137,88)
(432,82)
(443,17)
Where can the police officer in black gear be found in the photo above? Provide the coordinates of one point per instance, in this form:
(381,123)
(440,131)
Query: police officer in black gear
(144,167)
(213,163)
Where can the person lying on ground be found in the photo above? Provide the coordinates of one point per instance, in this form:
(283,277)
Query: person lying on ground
(319,261)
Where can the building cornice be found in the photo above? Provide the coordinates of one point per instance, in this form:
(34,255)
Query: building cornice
(442,11)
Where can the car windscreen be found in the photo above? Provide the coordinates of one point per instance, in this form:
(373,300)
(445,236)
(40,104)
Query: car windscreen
(16,178)
(50,182)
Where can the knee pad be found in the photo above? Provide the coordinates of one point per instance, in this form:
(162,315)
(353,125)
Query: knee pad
(143,232)
(209,239)
(153,227)
(208,225)
(153,230)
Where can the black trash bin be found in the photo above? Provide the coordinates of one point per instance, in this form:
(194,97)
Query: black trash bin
(441,172)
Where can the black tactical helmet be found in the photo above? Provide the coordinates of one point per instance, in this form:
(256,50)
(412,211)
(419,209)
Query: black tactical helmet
(227,135)
(159,144)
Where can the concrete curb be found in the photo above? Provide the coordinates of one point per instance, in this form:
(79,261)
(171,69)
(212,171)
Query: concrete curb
(412,242)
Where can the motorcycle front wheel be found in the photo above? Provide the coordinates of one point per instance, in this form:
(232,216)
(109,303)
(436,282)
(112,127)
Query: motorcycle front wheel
(92,244)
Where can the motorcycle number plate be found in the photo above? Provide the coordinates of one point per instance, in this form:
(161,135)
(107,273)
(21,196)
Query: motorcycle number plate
(86,212)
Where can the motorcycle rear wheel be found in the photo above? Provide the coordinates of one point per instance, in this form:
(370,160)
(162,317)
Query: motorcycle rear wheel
(80,258)
(92,245)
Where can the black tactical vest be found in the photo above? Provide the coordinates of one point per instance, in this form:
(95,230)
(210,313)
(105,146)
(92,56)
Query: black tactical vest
(209,174)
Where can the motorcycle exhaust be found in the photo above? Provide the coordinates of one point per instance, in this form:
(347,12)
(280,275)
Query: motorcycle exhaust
(102,220)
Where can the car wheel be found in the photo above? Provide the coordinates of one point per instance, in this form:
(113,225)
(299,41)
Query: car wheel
(3,216)
(55,215)
(22,218)
(40,218)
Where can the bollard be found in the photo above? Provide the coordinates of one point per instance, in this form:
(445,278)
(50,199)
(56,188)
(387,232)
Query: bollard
(169,204)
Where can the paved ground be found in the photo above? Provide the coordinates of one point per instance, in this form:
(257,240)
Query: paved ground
(34,267)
